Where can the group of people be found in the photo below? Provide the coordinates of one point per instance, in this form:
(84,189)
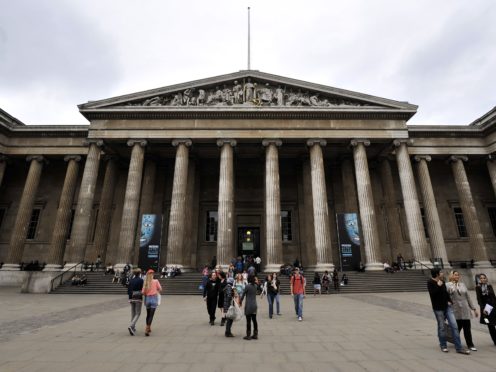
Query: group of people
(453,308)
(323,283)
(79,280)
(170,271)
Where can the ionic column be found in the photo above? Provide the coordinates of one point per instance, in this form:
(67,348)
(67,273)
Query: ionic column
(412,207)
(3,165)
(63,218)
(349,185)
(477,245)
(320,208)
(394,228)
(491,167)
(175,237)
(130,209)
(225,228)
(272,205)
(366,205)
(430,207)
(18,236)
(81,224)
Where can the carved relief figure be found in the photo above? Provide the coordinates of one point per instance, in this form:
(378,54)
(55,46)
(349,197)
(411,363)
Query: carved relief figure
(249,90)
(280,96)
(187,94)
(201,97)
(238,93)
(265,94)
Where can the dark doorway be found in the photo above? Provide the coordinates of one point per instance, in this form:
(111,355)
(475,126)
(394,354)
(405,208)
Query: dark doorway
(249,241)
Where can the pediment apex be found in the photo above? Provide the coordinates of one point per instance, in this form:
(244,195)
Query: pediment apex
(247,89)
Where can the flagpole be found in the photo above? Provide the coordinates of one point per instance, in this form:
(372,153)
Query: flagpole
(248,38)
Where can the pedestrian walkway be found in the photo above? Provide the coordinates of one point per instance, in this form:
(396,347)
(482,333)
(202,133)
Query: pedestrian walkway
(354,332)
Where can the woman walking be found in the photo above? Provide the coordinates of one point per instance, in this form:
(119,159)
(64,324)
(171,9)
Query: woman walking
(250,293)
(486,296)
(239,284)
(316,284)
(210,295)
(271,291)
(462,307)
(151,291)
(135,299)
(277,284)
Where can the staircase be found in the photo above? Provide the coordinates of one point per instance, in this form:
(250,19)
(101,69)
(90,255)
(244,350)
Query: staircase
(187,283)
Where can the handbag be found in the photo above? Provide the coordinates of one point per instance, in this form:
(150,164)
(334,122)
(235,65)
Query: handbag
(449,334)
(234,312)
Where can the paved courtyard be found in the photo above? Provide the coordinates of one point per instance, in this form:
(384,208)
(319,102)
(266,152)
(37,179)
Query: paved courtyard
(361,332)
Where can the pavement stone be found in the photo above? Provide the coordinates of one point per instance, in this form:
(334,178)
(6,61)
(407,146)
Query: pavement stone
(353,332)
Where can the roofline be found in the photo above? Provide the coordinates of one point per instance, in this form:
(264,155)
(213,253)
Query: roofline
(9,120)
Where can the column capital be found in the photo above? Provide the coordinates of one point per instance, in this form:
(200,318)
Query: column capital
(455,158)
(38,158)
(222,141)
(185,141)
(267,141)
(77,158)
(140,142)
(354,142)
(90,141)
(316,141)
(419,158)
(397,142)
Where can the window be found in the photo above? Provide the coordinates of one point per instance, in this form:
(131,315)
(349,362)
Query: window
(33,223)
(211,226)
(422,213)
(73,212)
(460,222)
(492,218)
(287,233)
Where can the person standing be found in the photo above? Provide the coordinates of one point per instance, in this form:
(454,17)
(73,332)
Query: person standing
(462,307)
(135,299)
(297,288)
(210,295)
(250,293)
(335,280)
(326,281)
(228,299)
(277,283)
(486,296)
(220,301)
(441,305)
(151,291)
(317,284)
(271,291)
(258,262)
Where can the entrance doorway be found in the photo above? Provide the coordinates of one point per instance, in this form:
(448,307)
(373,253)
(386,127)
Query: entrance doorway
(248,241)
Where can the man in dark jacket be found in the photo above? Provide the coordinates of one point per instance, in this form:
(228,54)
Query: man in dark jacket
(441,305)
(228,297)
(210,295)
(135,299)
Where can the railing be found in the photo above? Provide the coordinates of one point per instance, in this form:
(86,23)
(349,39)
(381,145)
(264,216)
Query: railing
(422,266)
(61,275)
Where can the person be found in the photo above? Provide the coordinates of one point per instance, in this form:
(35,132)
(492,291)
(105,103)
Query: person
(486,296)
(151,290)
(220,301)
(361,267)
(228,299)
(462,306)
(109,269)
(277,282)
(250,294)
(98,263)
(316,284)
(388,268)
(441,305)
(258,262)
(135,299)
(326,280)
(344,279)
(239,284)
(210,295)
(271,292)
(163,272)
(335,280)
(297,289)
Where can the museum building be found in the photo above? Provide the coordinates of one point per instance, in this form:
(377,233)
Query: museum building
(247,163)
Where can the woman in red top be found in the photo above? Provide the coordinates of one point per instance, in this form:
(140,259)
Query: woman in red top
(151,291)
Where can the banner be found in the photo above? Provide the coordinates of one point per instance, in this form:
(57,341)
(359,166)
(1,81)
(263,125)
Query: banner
(151,234)
(349,241)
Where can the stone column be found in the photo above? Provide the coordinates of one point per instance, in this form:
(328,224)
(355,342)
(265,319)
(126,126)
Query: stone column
(366,204)
(225,229)
(81,224)
(431,215)
(18,236)
(175,237)
(63,218)
(349,186)
(105,208)
(3,165)
(412,207)
(320,209)
(394,228)
(477,244)
(491,167)
(130,210)
(273,228)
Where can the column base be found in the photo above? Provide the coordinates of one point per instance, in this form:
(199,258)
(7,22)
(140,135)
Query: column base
(11,267)
(272,268)
(374,266)
(483,265)
(53,267)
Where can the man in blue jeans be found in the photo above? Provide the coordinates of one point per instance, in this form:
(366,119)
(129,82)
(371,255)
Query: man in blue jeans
(441,304)
(297,286)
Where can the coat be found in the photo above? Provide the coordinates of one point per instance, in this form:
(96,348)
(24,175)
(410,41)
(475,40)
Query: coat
(462,303)
(483,300)
(250,293)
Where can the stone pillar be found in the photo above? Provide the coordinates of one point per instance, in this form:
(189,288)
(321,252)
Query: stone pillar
(491,167)
(18,236)
(273,228)
(320,209)
(431,215)
(225,229)
(412,207)
(477,244)
(130,210)
(105,208)
(63,218)
(349,186)
(366,204)
(394,228)
(175,238)
(3,165)
(81,224)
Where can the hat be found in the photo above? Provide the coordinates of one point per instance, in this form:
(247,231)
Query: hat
(150,271)
(230,280)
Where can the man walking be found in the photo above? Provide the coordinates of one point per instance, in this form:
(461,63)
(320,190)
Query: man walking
(297,286)
(441,305)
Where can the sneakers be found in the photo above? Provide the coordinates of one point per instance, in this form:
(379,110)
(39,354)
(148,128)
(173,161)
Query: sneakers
(247,338)
(229,335)
(131,330)
(463,351)
(300,318)
(444,350)
(473,348)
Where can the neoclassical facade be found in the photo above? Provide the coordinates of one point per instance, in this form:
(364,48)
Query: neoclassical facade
(242,163)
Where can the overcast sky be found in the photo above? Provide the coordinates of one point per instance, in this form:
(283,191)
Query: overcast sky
(56,54)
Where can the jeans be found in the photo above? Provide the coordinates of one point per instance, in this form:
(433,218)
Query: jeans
(270,298)
(135,313)
(278,308)
(447,314)
(298,301)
